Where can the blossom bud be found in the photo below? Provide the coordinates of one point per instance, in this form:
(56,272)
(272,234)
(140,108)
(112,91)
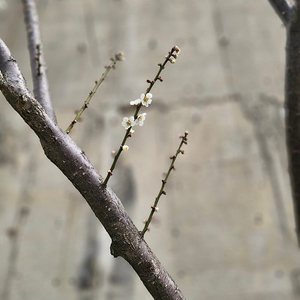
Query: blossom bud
(172,60)
(120,56)
(177,49)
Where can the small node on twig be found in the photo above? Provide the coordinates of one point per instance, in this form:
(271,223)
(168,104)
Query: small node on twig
(38,59)
(172,60)
(172,156)
(109,172)
(155,208)
(164,181)
(164,192)
(160,79)
(176,49)
(120,56)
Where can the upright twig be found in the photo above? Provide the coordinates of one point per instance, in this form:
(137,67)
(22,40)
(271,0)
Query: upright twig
(38,67)
(162,191)
(118,57)
(170,57)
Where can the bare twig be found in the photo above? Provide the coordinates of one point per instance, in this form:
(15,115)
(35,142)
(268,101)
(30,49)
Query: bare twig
(154,208)
(38,68)
(86,103)
(283,9)
(70,159)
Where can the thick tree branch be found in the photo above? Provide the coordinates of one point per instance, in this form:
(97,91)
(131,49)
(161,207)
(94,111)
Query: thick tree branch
(283,9)
(70,159)
(37,61)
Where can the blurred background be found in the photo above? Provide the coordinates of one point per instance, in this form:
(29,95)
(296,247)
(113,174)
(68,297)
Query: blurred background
(225,229)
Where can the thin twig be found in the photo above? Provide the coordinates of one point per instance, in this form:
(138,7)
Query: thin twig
(168,57)
(118,56)
(283,9)
(38,69)
(154,208)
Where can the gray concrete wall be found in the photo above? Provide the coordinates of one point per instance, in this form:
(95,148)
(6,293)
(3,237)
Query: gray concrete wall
(225,229)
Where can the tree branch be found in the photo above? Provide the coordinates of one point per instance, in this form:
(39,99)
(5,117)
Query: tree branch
(37,61)
(70,159)
(283,9)
(292,105)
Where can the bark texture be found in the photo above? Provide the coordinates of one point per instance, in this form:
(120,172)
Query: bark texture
(292,103)
(37,61)
(283,9)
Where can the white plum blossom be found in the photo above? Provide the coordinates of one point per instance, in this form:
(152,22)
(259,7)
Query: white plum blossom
(135,102)
(140,119)
(146,100)
(125,148)
(128,122)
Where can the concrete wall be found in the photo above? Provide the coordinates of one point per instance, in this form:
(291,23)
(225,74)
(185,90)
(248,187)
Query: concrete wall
(225,229)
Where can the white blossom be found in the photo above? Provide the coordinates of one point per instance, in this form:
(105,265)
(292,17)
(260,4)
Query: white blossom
(125,148)
(146,100)
(135,102)
(140,119)
(128,122)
